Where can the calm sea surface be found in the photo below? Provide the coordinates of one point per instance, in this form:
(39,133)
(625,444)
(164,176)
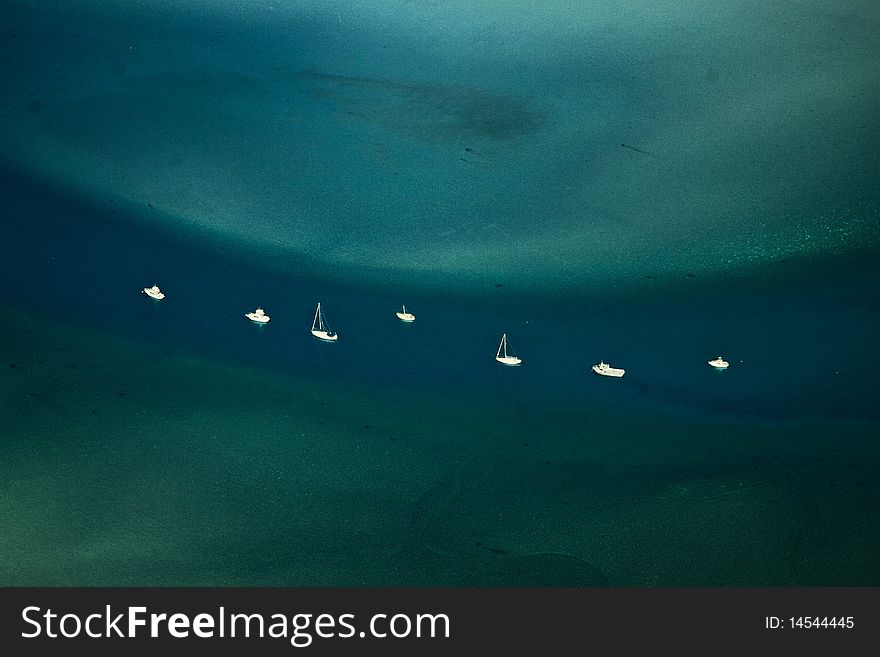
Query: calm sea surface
(280,159)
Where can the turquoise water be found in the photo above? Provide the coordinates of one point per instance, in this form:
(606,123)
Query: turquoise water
(404,141)
(650,187)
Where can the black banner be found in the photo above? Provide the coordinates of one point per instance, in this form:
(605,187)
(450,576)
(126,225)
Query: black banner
(337,621)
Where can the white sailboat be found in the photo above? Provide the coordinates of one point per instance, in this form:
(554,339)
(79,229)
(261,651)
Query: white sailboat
(404,316)
(154,293)
(719,363)
(604,369)
(259,316)
(504,354)
(320,329)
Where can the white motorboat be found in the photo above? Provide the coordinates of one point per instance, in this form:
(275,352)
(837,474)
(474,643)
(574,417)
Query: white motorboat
(154,293)
(259,316)
(404,316)
(605,369)
(320,329)
(504,355)
(719,363)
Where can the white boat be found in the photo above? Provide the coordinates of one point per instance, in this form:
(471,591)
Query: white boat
(505,355)
(154,292)
(719,363)
(404,316)
(259,316)
(320,329)
(605,369)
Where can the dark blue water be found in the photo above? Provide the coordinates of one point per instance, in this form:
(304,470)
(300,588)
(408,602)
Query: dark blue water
(800,336)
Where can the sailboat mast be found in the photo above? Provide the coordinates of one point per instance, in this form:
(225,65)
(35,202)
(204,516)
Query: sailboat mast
(317,313)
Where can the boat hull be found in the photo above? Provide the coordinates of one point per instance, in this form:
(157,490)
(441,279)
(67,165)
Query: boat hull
(509,360)
(325,336)
(723,365)
(406,317)
(158,296)
(258,319)
(608,371)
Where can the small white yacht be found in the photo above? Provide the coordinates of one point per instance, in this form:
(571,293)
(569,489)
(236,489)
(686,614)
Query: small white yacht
(320,329)
(605,369)
(154,292)
(504,355)
(404,316)
(259,316)
(719,363)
